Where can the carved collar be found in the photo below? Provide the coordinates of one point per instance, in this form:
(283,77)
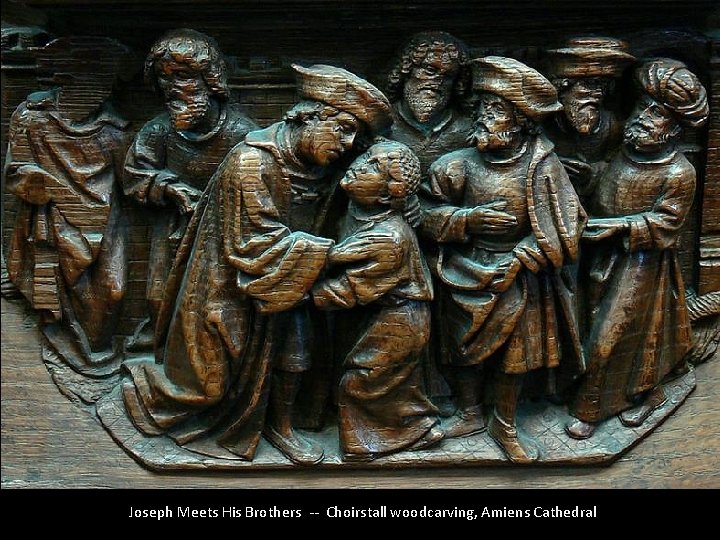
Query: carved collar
(658,159)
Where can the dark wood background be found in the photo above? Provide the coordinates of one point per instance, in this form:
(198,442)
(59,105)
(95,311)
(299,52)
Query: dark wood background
(48,442)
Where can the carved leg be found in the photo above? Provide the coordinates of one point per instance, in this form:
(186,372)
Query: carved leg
(637,415)
(279,429)
(502,424)
(468,419)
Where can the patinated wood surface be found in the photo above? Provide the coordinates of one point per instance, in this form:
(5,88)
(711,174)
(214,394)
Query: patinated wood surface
(49,442)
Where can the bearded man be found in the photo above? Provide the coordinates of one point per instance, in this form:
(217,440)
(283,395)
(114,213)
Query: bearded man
(587,131)
(428,86)
(639,324)
(175,154)
(507,222)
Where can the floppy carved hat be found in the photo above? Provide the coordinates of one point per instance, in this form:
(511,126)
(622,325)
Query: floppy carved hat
(590,57)
(523,86)
(345,91)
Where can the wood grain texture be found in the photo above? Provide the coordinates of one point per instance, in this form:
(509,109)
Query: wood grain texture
(47,442)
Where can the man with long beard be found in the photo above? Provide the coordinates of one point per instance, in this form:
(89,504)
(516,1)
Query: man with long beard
(507,221)
(586,132)
(639,324)
(175,154)
(428,86)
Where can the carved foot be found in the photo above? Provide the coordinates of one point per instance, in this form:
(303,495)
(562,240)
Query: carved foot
(580,430)
(637,415)
(434,435)
(295,447)
(464,422)
(507,437)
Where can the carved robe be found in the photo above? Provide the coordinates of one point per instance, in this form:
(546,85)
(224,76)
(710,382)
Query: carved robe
(157,150)
(492,305)
(381,402)
(639,324)
(241,270)
(67,252)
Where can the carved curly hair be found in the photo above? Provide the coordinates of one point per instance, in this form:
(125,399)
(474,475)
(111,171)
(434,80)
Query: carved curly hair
(195,50)
(414,53)
(403,166)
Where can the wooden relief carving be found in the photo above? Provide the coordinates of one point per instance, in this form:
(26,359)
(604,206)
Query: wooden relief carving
(481,256)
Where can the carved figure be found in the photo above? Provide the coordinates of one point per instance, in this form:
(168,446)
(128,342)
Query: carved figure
(378,271)
(428,86)
(586,132)
(175,154)
(67,251)
(507,221)
(236,343)
(640,329)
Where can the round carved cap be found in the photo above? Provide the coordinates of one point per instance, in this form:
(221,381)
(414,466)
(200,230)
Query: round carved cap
(523,86)
(590,57)
(345,91)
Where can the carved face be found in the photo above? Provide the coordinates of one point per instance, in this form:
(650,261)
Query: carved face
(324,141)
(582,101)
(496,127)
(650,126)
(428,88)
(187,96)
(366,181)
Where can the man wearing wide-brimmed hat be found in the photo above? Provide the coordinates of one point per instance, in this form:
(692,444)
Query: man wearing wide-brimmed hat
(639,324)
(507,221)
(584,72)
(238,334)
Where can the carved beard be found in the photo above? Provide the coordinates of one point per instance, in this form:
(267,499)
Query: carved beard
(424,99)
(584,115)
(642,138)
(188,110)
(486,140)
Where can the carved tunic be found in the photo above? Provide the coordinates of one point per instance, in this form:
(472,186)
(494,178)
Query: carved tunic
(157,150)
(382,405)
(238,267)
(639,325)
(494,305)
(429,143)
(67,252)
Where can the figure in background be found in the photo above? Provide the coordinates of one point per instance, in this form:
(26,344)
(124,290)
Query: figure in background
(237,341)
(640,329)
(586,132)
(65,152)
(507,222)
(175,154)
(378,272)
(429,85)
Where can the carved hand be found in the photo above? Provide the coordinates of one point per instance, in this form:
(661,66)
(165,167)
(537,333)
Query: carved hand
(530,255)
(353,249)
(505,275)
(489,218)
(31,183)
(601,228)
(184,196)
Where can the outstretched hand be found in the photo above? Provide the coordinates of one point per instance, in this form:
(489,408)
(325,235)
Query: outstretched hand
(183,196)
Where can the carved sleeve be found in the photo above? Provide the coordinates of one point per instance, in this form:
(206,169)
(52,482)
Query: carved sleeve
(368,279)
(276,267)
(144,174)
(24,177)
(659,228)
(441,194)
